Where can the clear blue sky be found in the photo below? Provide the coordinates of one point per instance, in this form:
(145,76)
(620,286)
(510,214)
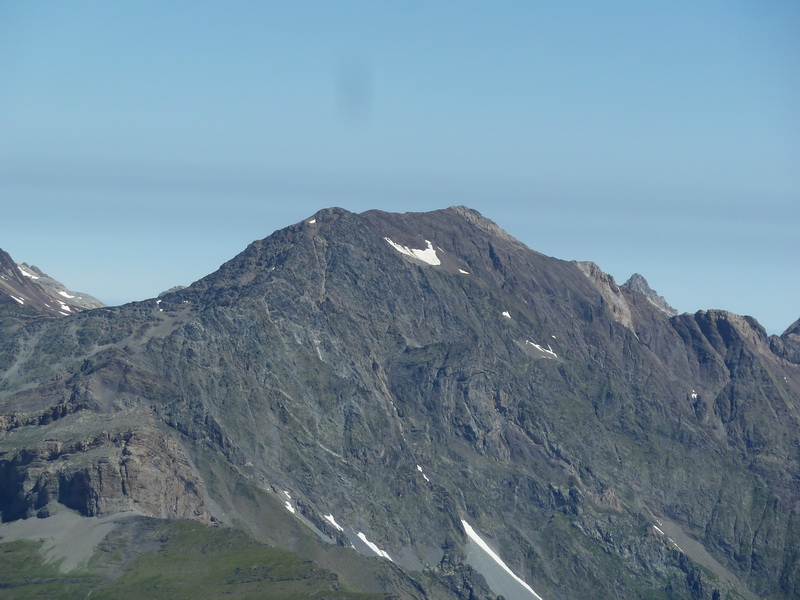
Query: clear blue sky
(142,143)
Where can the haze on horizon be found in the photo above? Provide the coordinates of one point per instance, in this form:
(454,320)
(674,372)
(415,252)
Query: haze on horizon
(143,145)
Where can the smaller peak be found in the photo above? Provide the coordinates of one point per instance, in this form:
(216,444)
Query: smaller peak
(793,329)
(475,218)
(593,271)
(637,283)
(332,211)
(466,212)
(330,214)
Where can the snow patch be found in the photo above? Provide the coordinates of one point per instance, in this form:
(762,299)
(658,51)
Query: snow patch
(506,314)
(540,349)
(312,221)
(289,507)
(694,395)
(425,477)
(485,547)
(373,547)
(674,544)
(20,300)
(658,530)
(26,273)
(426,255)
(463,271)
(333,522)
(66,295)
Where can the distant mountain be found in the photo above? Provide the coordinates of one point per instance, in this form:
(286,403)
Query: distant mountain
(36,293)
(78,300)
(425,408)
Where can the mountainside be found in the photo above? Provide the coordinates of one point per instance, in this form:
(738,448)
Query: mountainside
(474,418)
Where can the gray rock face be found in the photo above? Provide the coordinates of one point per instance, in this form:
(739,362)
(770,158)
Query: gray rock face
(639,284)
(382,379)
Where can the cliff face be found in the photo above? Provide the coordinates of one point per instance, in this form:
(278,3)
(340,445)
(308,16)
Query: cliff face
(396,382)
(105,474)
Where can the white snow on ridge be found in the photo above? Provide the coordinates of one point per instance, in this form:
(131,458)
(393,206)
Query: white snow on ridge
(540,349)
(485,547)
(373,547)
(26,273)
(426,255)
(671,541)
(66,295)
(333,522)
(674,544)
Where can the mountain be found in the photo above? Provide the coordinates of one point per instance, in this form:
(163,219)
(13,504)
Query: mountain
(425,408)
(79,300)
(26,291)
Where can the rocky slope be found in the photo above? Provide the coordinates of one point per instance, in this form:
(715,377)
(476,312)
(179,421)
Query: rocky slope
(430,391)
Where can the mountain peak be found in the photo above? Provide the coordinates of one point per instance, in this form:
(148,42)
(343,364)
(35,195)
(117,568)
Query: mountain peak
(638,283)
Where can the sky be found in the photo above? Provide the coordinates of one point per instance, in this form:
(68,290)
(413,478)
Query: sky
(144,144)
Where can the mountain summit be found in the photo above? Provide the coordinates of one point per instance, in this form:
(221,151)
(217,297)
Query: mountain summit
(426,407)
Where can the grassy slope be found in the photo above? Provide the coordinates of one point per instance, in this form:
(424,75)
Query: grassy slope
(189,560)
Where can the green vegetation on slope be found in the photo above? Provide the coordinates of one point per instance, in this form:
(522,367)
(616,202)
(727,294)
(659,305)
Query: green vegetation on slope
(188,560)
